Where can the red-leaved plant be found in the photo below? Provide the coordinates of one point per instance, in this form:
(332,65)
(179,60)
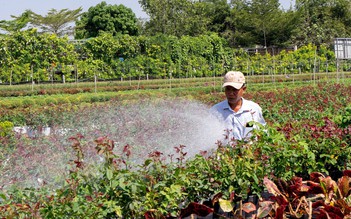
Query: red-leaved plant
(320,197)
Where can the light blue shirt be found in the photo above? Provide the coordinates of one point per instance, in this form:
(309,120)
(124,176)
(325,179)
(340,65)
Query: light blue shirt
(237,123)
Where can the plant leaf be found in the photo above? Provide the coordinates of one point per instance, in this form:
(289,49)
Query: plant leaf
(216,198)
(3,196)
(266,207)
(271,186)
(109,174)
(346,173)
(195,208)
(344,186)
(316,176)
(249,207)
(315,188)
(226,205)
(153,213)
(346,208)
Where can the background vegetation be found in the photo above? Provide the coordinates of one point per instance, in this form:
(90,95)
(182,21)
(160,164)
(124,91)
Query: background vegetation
(180,39)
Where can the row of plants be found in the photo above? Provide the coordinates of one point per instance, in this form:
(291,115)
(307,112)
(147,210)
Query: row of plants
(189,83)
(112,86)
(309,130)
(162,190)
(45,110)
(27,56)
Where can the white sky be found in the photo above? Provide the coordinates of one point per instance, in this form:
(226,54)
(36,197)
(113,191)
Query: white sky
(17,7)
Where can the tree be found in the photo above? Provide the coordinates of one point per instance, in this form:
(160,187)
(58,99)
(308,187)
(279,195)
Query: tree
(284,29)
(238,25)
(218,11)
(320,21)
(265,17)
(17,24)
(57,22)
(114,19)
(176,17)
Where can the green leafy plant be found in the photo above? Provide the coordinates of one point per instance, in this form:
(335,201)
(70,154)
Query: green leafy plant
(6,128)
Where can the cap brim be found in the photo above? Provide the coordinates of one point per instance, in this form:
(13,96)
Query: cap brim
(232,84)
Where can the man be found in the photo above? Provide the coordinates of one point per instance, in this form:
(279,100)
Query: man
(237,113)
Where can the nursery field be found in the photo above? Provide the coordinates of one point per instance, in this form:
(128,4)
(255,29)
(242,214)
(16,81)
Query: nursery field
(156,152)
(170,83)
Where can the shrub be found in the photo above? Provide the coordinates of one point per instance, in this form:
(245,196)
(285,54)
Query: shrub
(50,100)
(27,102)
(6,128)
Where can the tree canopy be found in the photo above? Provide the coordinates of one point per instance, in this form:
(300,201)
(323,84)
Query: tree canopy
(113,19)
(241,23)
(57,22)
(17,23)
(176,17)
(321,21)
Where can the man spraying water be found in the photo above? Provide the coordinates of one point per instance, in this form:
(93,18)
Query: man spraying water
(237,113)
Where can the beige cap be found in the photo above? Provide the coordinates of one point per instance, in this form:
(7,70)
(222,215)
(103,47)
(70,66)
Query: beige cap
(235,79)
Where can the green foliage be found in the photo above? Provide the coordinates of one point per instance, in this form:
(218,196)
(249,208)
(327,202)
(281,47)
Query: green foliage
(56,22)
(17,24)
(175,17)
(5,128)
(302,140)
(241,23)
(164,188)
(28,53)
(344,119)
(314,19)
(112,19)
(265,17)
(31,57)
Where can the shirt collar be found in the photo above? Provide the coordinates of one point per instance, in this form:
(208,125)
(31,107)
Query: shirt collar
(243,109)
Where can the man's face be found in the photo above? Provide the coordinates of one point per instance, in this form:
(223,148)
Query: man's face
(233,95)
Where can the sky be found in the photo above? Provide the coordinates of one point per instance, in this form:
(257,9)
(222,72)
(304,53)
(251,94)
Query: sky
(42,7)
